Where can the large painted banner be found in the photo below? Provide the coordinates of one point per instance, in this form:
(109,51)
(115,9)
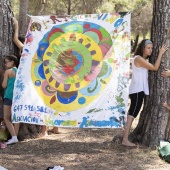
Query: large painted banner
(74,71)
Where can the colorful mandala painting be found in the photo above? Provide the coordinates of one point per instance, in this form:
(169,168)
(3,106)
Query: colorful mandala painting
(74,71)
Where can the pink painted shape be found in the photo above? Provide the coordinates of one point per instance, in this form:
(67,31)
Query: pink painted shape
(44,84)
(106,51)
(93,73)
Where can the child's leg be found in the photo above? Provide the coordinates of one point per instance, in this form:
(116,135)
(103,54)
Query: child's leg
(44,130)
(16,127)
(7,119)
(135,106)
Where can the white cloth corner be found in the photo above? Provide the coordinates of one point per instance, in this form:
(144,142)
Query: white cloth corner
(2,168)
(163,143)
(57,168)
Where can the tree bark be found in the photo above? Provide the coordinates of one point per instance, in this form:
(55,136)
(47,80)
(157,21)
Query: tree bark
(154,122)
(135,43)
(6,34)
(23,17)
(27,131)
(69,7)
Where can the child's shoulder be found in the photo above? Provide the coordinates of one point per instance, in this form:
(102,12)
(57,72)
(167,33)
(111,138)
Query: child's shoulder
(9,71)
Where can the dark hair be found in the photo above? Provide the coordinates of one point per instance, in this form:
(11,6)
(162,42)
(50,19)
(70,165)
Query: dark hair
(21,37)
(140,48)
(12,58)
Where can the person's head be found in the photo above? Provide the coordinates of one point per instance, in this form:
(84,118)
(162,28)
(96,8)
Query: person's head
(144,48)
(10,61)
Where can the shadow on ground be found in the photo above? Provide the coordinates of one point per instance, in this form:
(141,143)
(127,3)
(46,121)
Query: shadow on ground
(79,149)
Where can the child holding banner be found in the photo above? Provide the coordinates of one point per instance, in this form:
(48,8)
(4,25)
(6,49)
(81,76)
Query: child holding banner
(11,62)
(139,84)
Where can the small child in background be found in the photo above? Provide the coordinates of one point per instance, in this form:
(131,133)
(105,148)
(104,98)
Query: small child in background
(165,104)
(11,62)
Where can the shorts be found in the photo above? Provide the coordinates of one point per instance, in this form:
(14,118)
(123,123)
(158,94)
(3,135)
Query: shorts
(136,103)
(7,102)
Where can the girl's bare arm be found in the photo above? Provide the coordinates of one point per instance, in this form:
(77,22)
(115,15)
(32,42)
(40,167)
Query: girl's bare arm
(18,43)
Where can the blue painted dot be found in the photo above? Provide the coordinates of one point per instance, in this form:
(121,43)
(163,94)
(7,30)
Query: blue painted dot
(81,100)
(37,83)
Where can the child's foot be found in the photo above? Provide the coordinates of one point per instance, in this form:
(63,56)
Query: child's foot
(42,135)
(128,143)
(11,141)
(53,131)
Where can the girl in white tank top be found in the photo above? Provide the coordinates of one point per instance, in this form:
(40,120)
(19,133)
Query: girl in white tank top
(139,84)
(139,80)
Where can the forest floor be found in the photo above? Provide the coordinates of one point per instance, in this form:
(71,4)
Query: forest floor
(80,149)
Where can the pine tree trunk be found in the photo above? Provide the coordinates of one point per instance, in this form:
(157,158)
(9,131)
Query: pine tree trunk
(135,43)
(23,17)
(154,122)
(6,34)
(28,131)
